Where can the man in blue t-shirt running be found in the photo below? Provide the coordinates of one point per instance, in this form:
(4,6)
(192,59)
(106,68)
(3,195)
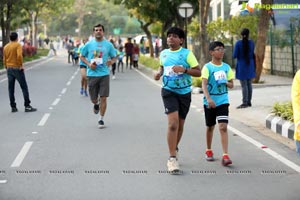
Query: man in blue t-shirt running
(98,55)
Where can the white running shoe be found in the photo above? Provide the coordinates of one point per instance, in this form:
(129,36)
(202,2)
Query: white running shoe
(173,166)
(114,77)
(101,124)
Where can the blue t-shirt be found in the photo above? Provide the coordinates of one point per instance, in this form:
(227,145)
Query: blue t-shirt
(80,61)
(99,52)
(244,70)
(217,76)
(179,83)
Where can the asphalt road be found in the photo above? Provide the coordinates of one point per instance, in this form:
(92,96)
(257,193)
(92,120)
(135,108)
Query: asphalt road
(59,153)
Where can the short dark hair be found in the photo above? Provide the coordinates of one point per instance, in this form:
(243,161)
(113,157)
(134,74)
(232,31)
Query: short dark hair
(99,25)
(13,36)
(176,31)
(215,44)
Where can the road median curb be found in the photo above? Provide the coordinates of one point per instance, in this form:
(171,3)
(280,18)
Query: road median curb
(280,126)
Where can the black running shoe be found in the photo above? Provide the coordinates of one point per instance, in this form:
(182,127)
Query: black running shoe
(96,108)
(242,106)
(30,109)
(14,109)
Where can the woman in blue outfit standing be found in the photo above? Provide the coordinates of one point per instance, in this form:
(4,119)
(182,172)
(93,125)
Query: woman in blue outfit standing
(245,66)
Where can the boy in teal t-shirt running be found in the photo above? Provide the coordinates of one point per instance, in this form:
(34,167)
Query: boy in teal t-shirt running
(217,77)
(177,66)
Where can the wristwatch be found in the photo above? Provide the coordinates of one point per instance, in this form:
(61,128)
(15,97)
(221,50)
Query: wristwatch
(185,71)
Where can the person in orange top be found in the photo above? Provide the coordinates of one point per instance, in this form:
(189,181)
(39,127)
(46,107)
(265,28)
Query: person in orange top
(13,63)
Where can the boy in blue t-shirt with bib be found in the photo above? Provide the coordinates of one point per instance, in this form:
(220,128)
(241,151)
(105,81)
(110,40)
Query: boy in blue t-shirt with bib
(177,65)
(217,77)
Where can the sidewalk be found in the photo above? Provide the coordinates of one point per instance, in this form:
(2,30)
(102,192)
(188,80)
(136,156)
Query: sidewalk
(272,89)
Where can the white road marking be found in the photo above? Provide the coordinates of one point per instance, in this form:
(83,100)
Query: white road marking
(34,132)
(19,159)
(3,181)
(267,150)
(64,91)
(55,102)
(145,76)
(199,110)
(44,119)
(69,83)
(3,80)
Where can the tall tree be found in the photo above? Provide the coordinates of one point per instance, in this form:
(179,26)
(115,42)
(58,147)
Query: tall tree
(203,9)
(34,8)
(263,27)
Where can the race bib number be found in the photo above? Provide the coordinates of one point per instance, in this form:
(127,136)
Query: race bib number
(220,77)
(169,71)
(98,61)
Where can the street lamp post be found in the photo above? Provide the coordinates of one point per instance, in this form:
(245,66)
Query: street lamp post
(185,10)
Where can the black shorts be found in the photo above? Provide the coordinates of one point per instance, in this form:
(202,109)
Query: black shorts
(220,114)
(82,66)
(176,102)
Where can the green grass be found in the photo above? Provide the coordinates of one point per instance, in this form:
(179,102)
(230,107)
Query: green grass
(283,110)
(149,62)
(40,53)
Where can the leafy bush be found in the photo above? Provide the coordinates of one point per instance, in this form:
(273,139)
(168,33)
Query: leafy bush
(197,81)
(283,110)
(29,50)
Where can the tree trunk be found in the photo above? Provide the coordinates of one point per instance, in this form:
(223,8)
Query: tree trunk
(145,28)
(263,27)
(35,31)
(165,26)
(203,8)
(5,24)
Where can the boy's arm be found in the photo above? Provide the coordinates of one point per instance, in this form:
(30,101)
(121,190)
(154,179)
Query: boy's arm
(211,103)
(194,69)
(230,77)
(159,73)
(229,84)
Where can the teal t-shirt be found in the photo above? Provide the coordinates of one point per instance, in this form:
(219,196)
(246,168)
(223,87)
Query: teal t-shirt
(217,76)
(80,61)
(99,52)
(179,83)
